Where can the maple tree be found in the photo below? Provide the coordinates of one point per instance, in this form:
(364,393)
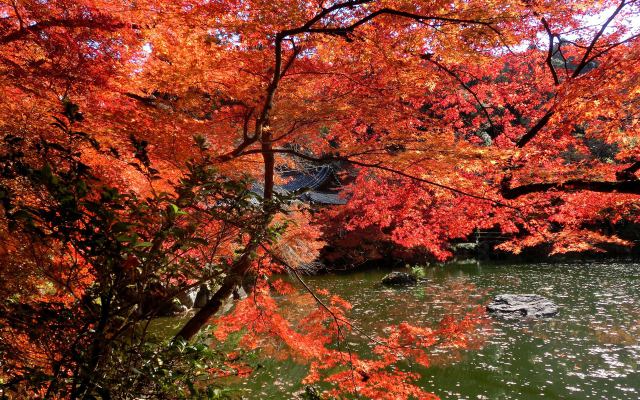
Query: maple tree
(520,116)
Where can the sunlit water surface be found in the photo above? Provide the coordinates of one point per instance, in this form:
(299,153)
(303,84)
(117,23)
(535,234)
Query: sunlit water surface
(591,350)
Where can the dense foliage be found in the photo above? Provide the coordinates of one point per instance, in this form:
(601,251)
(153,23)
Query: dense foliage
(515,116)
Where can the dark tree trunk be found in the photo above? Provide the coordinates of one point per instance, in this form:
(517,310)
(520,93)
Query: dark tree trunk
(200,319)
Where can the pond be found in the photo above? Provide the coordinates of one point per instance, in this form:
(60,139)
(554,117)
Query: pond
(591,350)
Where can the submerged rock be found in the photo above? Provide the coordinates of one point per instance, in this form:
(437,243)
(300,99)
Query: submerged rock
(399,278)
(522,305)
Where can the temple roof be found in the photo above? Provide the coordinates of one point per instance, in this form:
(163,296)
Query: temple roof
(308,183)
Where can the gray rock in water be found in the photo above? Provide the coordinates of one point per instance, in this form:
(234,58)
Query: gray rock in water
(399,278)
(203,296)
(522,305)
(188,298)
(173,309)
(239,293)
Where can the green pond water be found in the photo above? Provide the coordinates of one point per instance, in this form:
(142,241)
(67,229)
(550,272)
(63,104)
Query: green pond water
(591,350)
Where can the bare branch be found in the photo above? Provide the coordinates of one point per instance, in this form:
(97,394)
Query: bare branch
(613,46)
(585,57)
(381,167)
(629,173)
(542,122)
(549,59)
(59,22)
(466,87)
(626,186)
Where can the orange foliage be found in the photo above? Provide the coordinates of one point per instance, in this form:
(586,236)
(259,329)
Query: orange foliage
(518,116)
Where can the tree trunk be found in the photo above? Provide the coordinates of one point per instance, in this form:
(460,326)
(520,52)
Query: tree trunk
(240,267)
(200,319)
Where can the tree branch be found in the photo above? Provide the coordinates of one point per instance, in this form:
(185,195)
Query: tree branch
(583,62)
(585,57)
(382,168)
(627,187)
(549,59)
(466,87)
(200,319)
(629,173)
(542,122)
(389,11)
(613,46)
(59,22)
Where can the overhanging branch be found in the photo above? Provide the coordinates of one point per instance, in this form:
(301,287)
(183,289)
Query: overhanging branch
(626,186)
(381,167)
(61,23)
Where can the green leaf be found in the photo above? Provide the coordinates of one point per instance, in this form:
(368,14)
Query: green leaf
(175,210)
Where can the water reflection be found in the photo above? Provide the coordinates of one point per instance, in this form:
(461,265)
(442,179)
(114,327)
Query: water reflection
(591,350)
